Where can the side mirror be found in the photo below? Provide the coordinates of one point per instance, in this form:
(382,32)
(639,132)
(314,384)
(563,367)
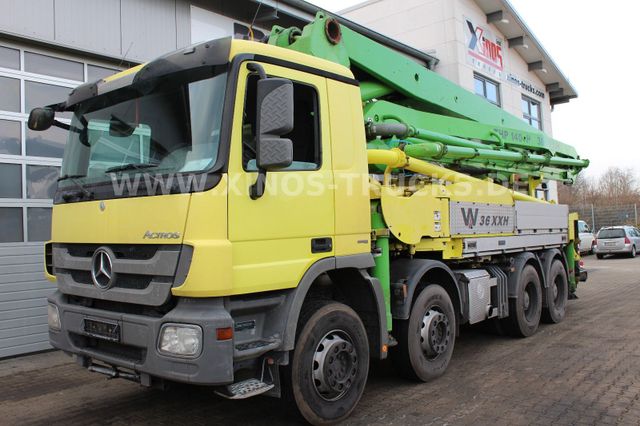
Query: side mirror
(41,118)
(274,103)
(275,118)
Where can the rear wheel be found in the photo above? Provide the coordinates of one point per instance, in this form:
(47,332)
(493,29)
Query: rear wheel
(633,252)
(526,308)
(600,256)
(556,294)
(427,338)
(328,372)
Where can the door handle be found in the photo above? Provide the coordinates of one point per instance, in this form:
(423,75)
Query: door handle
(321,245)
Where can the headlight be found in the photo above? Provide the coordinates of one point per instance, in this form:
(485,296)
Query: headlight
(181,340)
(53,317)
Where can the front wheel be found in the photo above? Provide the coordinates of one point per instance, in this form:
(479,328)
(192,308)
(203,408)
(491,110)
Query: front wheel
(600,256)
(328,372)
(427,338)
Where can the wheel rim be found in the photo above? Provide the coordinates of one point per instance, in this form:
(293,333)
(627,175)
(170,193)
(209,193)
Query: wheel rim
(334,365)
(435,334)
(529,301)
(554,290)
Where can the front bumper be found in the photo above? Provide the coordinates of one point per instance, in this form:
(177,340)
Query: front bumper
(137,348)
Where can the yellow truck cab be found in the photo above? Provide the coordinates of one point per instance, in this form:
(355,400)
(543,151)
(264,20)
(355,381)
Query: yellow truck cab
(224,217)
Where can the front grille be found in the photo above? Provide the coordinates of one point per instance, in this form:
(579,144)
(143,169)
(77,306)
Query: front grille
(141,273)
(138,282)
(105,347)
(122,251)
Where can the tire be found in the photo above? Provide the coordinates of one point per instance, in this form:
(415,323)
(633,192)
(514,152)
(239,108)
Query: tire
(600,256)
(593,248)
(556,294)
(525,310)
(329,334)
(633,252)
(432,318)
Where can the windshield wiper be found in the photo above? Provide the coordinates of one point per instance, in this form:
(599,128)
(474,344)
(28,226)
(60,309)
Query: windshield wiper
(131,166)
(74,179)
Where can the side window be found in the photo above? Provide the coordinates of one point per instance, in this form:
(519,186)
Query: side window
(305,134)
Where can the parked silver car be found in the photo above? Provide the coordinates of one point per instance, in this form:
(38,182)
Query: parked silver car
(617,240)
(587,239)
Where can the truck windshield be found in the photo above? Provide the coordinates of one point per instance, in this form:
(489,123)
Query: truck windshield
(172,129)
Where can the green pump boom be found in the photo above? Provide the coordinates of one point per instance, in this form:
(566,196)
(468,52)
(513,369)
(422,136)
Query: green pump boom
(410,107)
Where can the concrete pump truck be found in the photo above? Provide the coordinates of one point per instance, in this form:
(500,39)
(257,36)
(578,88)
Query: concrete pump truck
(265,218)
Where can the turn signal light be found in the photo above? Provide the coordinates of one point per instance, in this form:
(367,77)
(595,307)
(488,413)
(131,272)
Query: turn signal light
(224,333)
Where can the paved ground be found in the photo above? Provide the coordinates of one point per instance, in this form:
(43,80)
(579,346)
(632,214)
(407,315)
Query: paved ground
(585,370)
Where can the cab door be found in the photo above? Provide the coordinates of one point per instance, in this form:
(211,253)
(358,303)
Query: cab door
(278,236)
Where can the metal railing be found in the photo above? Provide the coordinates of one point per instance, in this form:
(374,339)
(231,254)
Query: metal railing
(598,216)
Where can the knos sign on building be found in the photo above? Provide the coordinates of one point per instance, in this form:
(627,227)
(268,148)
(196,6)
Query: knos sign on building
(484,49)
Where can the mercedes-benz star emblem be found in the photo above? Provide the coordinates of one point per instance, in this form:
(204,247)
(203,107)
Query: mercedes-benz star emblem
(102,269)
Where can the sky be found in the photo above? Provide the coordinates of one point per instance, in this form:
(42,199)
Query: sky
(593,44)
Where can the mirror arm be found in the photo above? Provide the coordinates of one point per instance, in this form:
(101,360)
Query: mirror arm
(257,189)
(255,67)
(61,125)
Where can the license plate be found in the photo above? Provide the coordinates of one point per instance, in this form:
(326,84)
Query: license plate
(610,244)
(102,329)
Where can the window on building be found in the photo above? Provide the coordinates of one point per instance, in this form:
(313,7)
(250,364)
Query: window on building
(488,89)
(39,223)
(9,94)
(48,143)
(305,134)
(10,137)
(30,161)
(9,58)
(41,94)
(11,229)
(95,72)
(531,112)
(10,181)
(56,67)
(42,181)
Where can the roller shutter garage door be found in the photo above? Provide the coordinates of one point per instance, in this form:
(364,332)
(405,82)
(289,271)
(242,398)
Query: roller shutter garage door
(29,168)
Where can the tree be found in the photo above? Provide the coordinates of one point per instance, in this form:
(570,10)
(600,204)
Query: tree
(619,186)
(582,191)
(614,186)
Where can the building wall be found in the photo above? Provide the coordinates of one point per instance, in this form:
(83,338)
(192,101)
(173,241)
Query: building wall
(438,27)
(137,30)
